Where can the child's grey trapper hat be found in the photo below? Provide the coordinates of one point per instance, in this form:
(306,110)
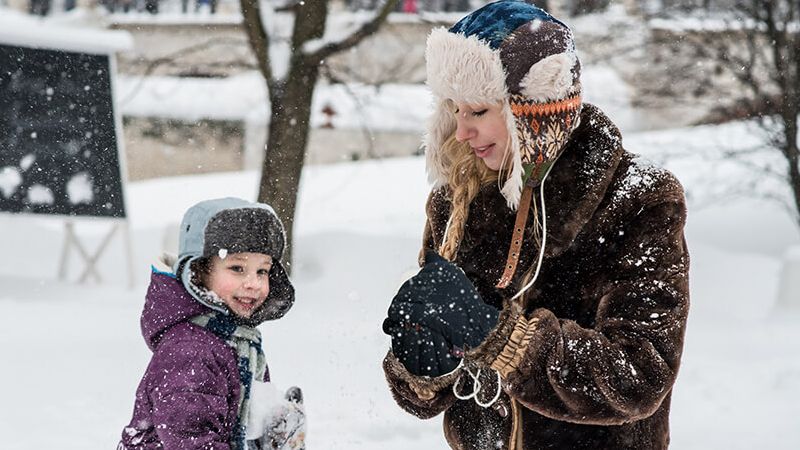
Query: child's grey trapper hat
(230,225)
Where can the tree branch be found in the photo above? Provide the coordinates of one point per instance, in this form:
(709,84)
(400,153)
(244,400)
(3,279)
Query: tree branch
(171,57)
(258,37)
(742,70)
(400,69)
(289,6)
(357,36)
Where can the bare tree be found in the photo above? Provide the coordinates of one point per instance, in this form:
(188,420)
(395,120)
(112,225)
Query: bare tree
(764,56)
(739,59)
(290,93)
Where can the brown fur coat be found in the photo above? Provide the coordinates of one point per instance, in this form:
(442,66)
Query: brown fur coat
(588,362)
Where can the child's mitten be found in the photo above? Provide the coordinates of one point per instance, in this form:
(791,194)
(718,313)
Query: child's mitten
(276,422)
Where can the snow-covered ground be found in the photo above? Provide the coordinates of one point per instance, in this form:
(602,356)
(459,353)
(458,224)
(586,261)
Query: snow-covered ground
(72,354)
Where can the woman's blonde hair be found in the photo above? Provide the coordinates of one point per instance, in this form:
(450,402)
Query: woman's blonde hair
(468,174)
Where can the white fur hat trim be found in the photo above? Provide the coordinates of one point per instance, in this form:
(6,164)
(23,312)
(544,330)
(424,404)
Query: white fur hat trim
(464,69)
(550,79)
(441,125)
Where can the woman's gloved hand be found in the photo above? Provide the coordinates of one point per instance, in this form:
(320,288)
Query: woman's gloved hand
(435,316)
(422,351)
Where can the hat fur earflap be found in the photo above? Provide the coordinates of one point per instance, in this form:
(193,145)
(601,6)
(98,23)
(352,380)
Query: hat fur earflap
(464,69)
(441,125)
(512,188)
(551,78)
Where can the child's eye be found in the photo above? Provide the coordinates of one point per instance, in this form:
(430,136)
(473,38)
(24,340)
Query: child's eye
(263,272)
(237,269)
(479,113)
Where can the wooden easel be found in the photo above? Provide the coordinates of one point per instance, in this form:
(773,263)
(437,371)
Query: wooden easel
(71,239)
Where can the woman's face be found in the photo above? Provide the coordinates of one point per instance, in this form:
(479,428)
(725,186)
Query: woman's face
(484,129)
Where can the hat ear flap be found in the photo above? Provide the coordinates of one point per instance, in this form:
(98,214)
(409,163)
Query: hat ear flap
(280,298)
(441,126)
(464,68)
(552,78)
(512,188)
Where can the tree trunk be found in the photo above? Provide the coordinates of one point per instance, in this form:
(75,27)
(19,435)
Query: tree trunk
(792,154)
(286,148)
(290,97)
(289,126)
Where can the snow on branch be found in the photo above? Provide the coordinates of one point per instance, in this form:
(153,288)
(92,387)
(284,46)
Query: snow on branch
(320,49)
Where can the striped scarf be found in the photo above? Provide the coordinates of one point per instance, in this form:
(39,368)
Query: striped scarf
(246,341)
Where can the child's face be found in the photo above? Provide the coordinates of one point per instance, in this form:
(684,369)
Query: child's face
(241,280)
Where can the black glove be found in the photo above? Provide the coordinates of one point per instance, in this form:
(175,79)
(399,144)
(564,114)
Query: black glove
(435,316)
(421,350)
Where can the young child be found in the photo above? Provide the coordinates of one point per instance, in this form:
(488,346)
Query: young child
(200,321)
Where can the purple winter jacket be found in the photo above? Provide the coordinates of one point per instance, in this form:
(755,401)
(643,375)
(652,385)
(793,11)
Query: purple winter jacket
(189,395)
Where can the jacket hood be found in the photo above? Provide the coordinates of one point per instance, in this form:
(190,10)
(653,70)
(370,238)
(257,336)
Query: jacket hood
(167,303)
(279,300)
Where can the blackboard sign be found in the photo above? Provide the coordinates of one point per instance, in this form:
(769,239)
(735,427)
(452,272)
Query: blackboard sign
(58,140)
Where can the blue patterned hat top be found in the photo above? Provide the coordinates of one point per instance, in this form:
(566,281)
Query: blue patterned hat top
(495,21)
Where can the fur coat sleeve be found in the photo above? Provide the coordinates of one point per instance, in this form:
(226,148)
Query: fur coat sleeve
(620,369)
(424,397)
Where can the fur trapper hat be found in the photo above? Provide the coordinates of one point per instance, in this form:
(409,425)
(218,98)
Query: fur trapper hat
(231,225)
(513,53)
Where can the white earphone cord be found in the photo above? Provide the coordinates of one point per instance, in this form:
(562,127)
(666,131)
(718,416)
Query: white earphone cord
(476,388)
(544,240)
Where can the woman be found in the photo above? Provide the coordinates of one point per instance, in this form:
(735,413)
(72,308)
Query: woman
(565,328)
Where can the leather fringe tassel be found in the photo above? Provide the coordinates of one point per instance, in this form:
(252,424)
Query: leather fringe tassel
(515,440)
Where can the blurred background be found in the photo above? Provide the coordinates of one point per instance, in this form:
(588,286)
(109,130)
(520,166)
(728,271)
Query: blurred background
(318,108)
